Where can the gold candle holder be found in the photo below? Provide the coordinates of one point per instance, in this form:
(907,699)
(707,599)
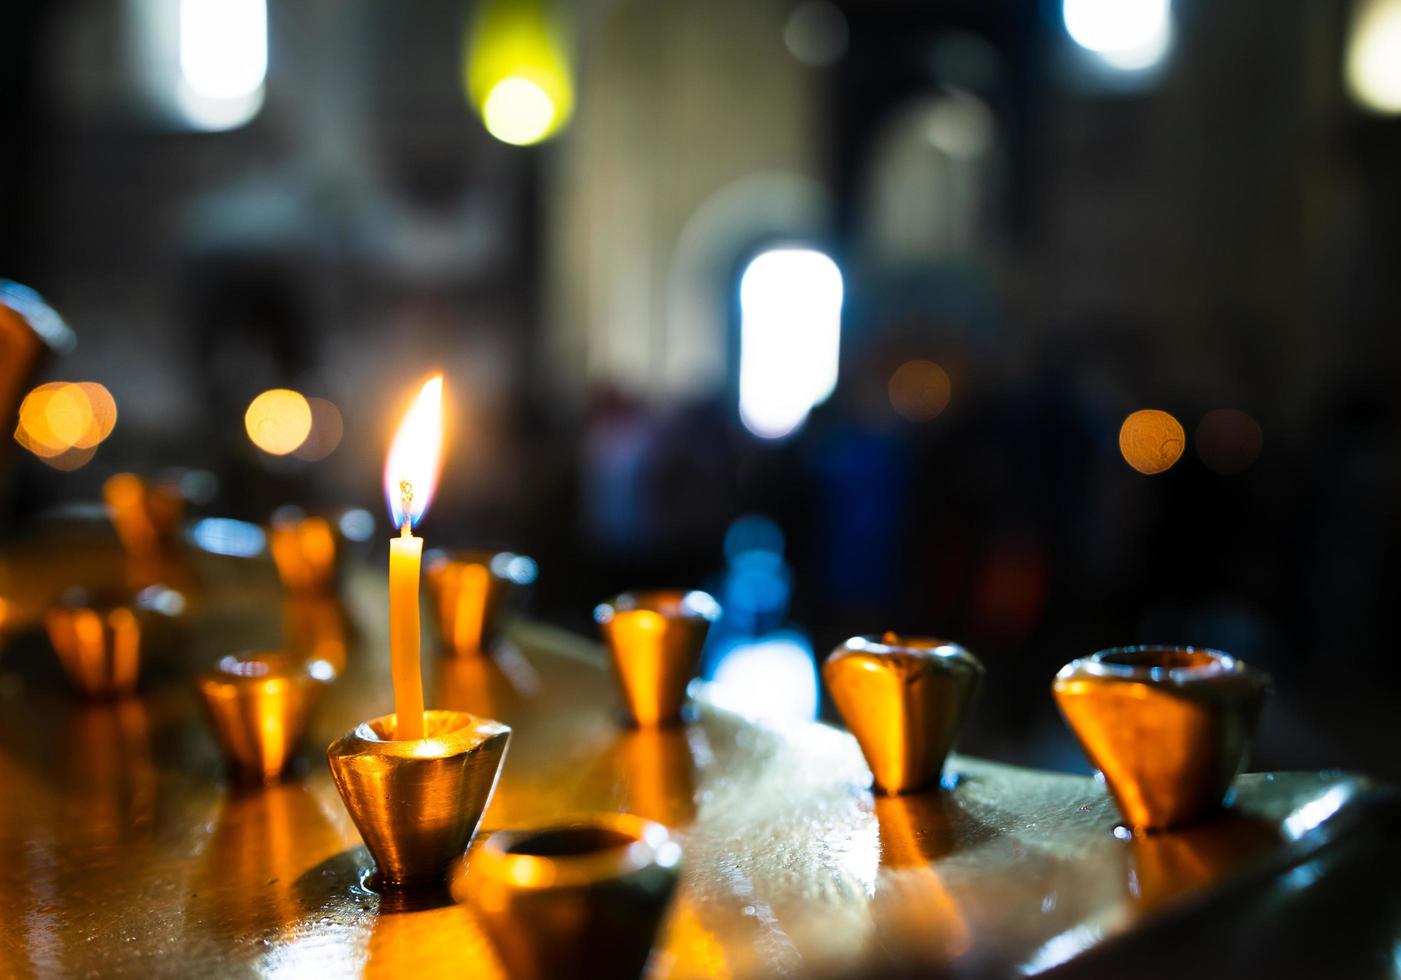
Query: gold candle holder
(580,899)
(655,638)
(145,513)
(418,802)
(1169,727)
(259,705)
(905,699)
(305,550)
(471,592)
(101,638)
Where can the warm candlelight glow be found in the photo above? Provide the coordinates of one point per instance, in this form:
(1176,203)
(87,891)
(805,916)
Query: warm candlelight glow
(415,456)
(410,476)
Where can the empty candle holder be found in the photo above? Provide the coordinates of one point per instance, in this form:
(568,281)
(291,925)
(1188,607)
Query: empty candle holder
(578,899)
(472,592)
(905,699)
(101,638)
(305,551)
(655,638)
(417,802)
(145,513)
(1168,727)
(258,706)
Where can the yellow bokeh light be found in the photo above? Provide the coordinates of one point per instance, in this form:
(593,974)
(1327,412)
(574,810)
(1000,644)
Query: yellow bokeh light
(518,112)
(1373,64)
(278,421)
(517,71)
(63,423)
(919,390)
(1151,441)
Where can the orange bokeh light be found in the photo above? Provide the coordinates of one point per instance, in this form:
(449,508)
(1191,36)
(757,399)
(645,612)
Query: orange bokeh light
(919,390)
(1151,441)
(278,421)
(64,422)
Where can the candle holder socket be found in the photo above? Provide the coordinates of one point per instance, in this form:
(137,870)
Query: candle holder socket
(145,513)
(472,592)
(306,550)
(905,700)
(577,899)
(1169,727)
(418,802)
(655,638)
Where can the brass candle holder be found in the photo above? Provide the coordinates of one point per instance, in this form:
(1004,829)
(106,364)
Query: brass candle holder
(145,513)
(418,802)
(259,705)
(1169,727)
(579,899)
(305,551)
(655,638)
(905,699)
(471,593)
(101,638)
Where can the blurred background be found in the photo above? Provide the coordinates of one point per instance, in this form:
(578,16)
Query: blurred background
(1040,325)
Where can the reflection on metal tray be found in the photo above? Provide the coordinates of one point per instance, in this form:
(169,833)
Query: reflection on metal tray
(124,853)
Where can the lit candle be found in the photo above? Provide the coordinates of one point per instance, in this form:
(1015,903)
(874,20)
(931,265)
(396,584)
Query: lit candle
(410,476)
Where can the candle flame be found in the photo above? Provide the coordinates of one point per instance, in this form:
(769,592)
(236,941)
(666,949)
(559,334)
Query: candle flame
(415,457)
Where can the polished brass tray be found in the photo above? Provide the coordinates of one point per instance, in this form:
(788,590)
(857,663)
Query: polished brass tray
(123,852)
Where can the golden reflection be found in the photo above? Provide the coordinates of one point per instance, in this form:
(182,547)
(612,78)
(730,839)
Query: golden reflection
(1168,866)
(488,687)
(913,909)
(656,774)
(108,767)
(146,514)
(278,421)
(916,829)
(1151,441)
(419,944)
(687,948)
(316,628)
(304,549)
(919,390)
(270,835)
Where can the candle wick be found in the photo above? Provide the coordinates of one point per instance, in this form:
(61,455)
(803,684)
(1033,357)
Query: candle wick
(406,498)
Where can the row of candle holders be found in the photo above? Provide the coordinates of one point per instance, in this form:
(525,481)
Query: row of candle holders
(1168,727)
